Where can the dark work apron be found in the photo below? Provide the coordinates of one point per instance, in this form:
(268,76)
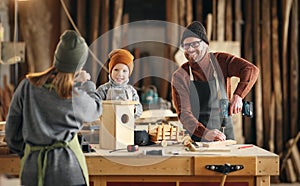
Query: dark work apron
(205,106)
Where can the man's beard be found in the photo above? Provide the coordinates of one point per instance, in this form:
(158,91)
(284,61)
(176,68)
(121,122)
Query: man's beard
(199,56)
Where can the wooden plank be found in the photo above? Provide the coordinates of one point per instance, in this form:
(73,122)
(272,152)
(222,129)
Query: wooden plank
(248,129)
(290,172)
(189,11)
(294,69)
(272,124)
(295,158)
(286,9)
(218,143)
(221,20)
(209,26)
(139,166)
(265,70)
(214,20)
(93,35)
(199,10)
(125,30)
(118,14)
(81,17)
(228,21)
(238,20)
(287,155)
(258,88)
(276,80)
(181,11)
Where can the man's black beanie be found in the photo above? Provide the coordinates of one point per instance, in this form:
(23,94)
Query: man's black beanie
(195,29)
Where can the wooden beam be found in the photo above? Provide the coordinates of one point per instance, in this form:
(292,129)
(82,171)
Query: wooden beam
(221,20)
(214,20)
(189,11)
(294,69)
(258,87)
(117,20)
(248,129)
(199,10)
(286,9)
(238,20)
(228,21)
(276,79)
(81,17)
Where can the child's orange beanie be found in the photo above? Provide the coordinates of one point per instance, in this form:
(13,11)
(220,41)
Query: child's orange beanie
(120,56)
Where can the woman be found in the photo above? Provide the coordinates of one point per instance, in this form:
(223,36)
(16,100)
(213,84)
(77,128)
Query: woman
(46,113)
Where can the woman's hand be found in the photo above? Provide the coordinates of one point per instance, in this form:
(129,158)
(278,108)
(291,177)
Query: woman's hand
(82,76)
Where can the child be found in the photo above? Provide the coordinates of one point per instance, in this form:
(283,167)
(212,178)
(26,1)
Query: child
(117,88)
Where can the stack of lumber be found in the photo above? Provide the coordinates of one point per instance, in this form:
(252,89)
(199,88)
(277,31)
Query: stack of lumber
(163,132)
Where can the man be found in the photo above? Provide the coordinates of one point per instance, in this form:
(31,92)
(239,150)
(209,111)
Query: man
(199,87)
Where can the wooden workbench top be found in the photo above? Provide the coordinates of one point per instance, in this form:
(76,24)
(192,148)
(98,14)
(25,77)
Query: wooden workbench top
(175,160)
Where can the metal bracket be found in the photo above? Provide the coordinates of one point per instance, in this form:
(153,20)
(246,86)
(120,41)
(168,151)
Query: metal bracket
(225,169)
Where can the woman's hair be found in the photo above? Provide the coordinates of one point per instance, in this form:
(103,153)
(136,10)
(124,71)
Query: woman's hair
(61,82)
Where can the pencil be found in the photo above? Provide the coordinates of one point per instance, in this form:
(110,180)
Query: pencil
(244,147)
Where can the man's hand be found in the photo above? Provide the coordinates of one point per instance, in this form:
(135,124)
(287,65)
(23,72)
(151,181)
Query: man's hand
(236,105)
(214,135)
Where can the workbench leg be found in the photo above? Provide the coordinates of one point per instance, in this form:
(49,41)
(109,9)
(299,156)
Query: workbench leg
(97,181)
(263,181)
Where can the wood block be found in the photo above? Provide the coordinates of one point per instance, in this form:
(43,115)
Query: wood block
(218,143)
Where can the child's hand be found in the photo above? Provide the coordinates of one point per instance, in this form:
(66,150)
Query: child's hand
(82,76)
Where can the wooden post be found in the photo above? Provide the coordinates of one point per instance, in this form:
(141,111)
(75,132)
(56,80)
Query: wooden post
(228,21)
(249,131)
(286,9)
(221,20)
(238,20)
(266,66)
(276,77)
(294,69)
(199,10)
(258,89)
(118,12)
(81,17)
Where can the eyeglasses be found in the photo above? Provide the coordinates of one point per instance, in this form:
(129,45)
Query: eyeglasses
(194,44)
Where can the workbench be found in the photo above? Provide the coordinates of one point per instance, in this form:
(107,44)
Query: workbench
(251,166)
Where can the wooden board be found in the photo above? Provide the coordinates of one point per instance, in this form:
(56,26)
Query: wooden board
(295,159)
(276,80)
(218,143)
(290,172)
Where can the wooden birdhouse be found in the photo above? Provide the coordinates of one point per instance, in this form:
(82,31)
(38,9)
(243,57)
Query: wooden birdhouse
(117,124)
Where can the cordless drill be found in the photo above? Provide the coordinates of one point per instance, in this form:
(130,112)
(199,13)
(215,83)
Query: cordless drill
(224,108)
(247,111)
